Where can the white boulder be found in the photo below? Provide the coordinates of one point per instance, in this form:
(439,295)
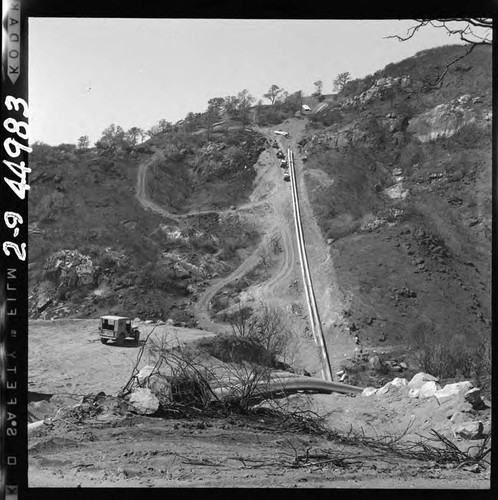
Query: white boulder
(468,430)
(144,401)
(35,425)
(419,379)
(144,374)
(384,389)
(399,382)
(450,391)
(414,393)
(428,389)
(369,391)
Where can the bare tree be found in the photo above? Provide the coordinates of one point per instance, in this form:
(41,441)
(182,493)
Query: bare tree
(472,31)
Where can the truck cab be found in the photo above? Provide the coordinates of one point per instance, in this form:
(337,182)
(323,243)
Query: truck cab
(119,329)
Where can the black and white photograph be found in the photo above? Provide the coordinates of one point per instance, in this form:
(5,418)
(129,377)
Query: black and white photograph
(258,252)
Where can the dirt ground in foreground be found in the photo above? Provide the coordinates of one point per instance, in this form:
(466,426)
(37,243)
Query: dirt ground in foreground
(233,452)
(120,449)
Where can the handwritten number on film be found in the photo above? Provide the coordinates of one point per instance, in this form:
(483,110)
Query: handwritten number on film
(19,185)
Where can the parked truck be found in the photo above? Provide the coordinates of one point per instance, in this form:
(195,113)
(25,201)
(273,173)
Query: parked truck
(118,329)
(281,132)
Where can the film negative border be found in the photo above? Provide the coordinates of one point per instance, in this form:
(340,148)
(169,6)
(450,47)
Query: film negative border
(14,273)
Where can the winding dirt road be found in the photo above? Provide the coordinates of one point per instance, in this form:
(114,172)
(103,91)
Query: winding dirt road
(271,194)
(144,199)
(272,197)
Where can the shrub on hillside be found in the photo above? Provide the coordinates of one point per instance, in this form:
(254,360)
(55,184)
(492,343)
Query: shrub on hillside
(458,357)
(157,277)
(268,330)
(329,116)
(469,136)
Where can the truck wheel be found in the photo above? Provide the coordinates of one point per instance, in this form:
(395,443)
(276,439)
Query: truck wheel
(121,339)
(104,341)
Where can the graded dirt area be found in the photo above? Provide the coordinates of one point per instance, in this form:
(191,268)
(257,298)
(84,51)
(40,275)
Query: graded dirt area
(96,441)
(234,452)
(66,356)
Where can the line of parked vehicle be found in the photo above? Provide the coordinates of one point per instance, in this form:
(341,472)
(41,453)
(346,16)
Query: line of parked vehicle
(281,155)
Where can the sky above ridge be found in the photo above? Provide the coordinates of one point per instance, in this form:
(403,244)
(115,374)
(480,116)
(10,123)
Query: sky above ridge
(85,74)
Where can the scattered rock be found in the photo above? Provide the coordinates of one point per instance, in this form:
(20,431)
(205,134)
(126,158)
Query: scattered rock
(458,417)
(369,391)
(35,425)
(384,389)
(468,430)
(474,398)
(419,379)
(472,468)
(43,303)
(144,401)
(486,428)
(399,382)
(144,374)
(428,389)
(414,393)
(464,98)
(451,391)
(443,120)
(374,362)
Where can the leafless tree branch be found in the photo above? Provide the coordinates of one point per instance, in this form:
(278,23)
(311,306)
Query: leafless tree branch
(472,31)
(462,29)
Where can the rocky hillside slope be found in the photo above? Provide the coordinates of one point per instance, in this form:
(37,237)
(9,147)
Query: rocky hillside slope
(95,250)
(399,176)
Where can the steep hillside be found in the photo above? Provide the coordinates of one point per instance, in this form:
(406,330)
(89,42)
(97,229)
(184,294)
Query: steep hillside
(204,172)
(400,183)
(94,249)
